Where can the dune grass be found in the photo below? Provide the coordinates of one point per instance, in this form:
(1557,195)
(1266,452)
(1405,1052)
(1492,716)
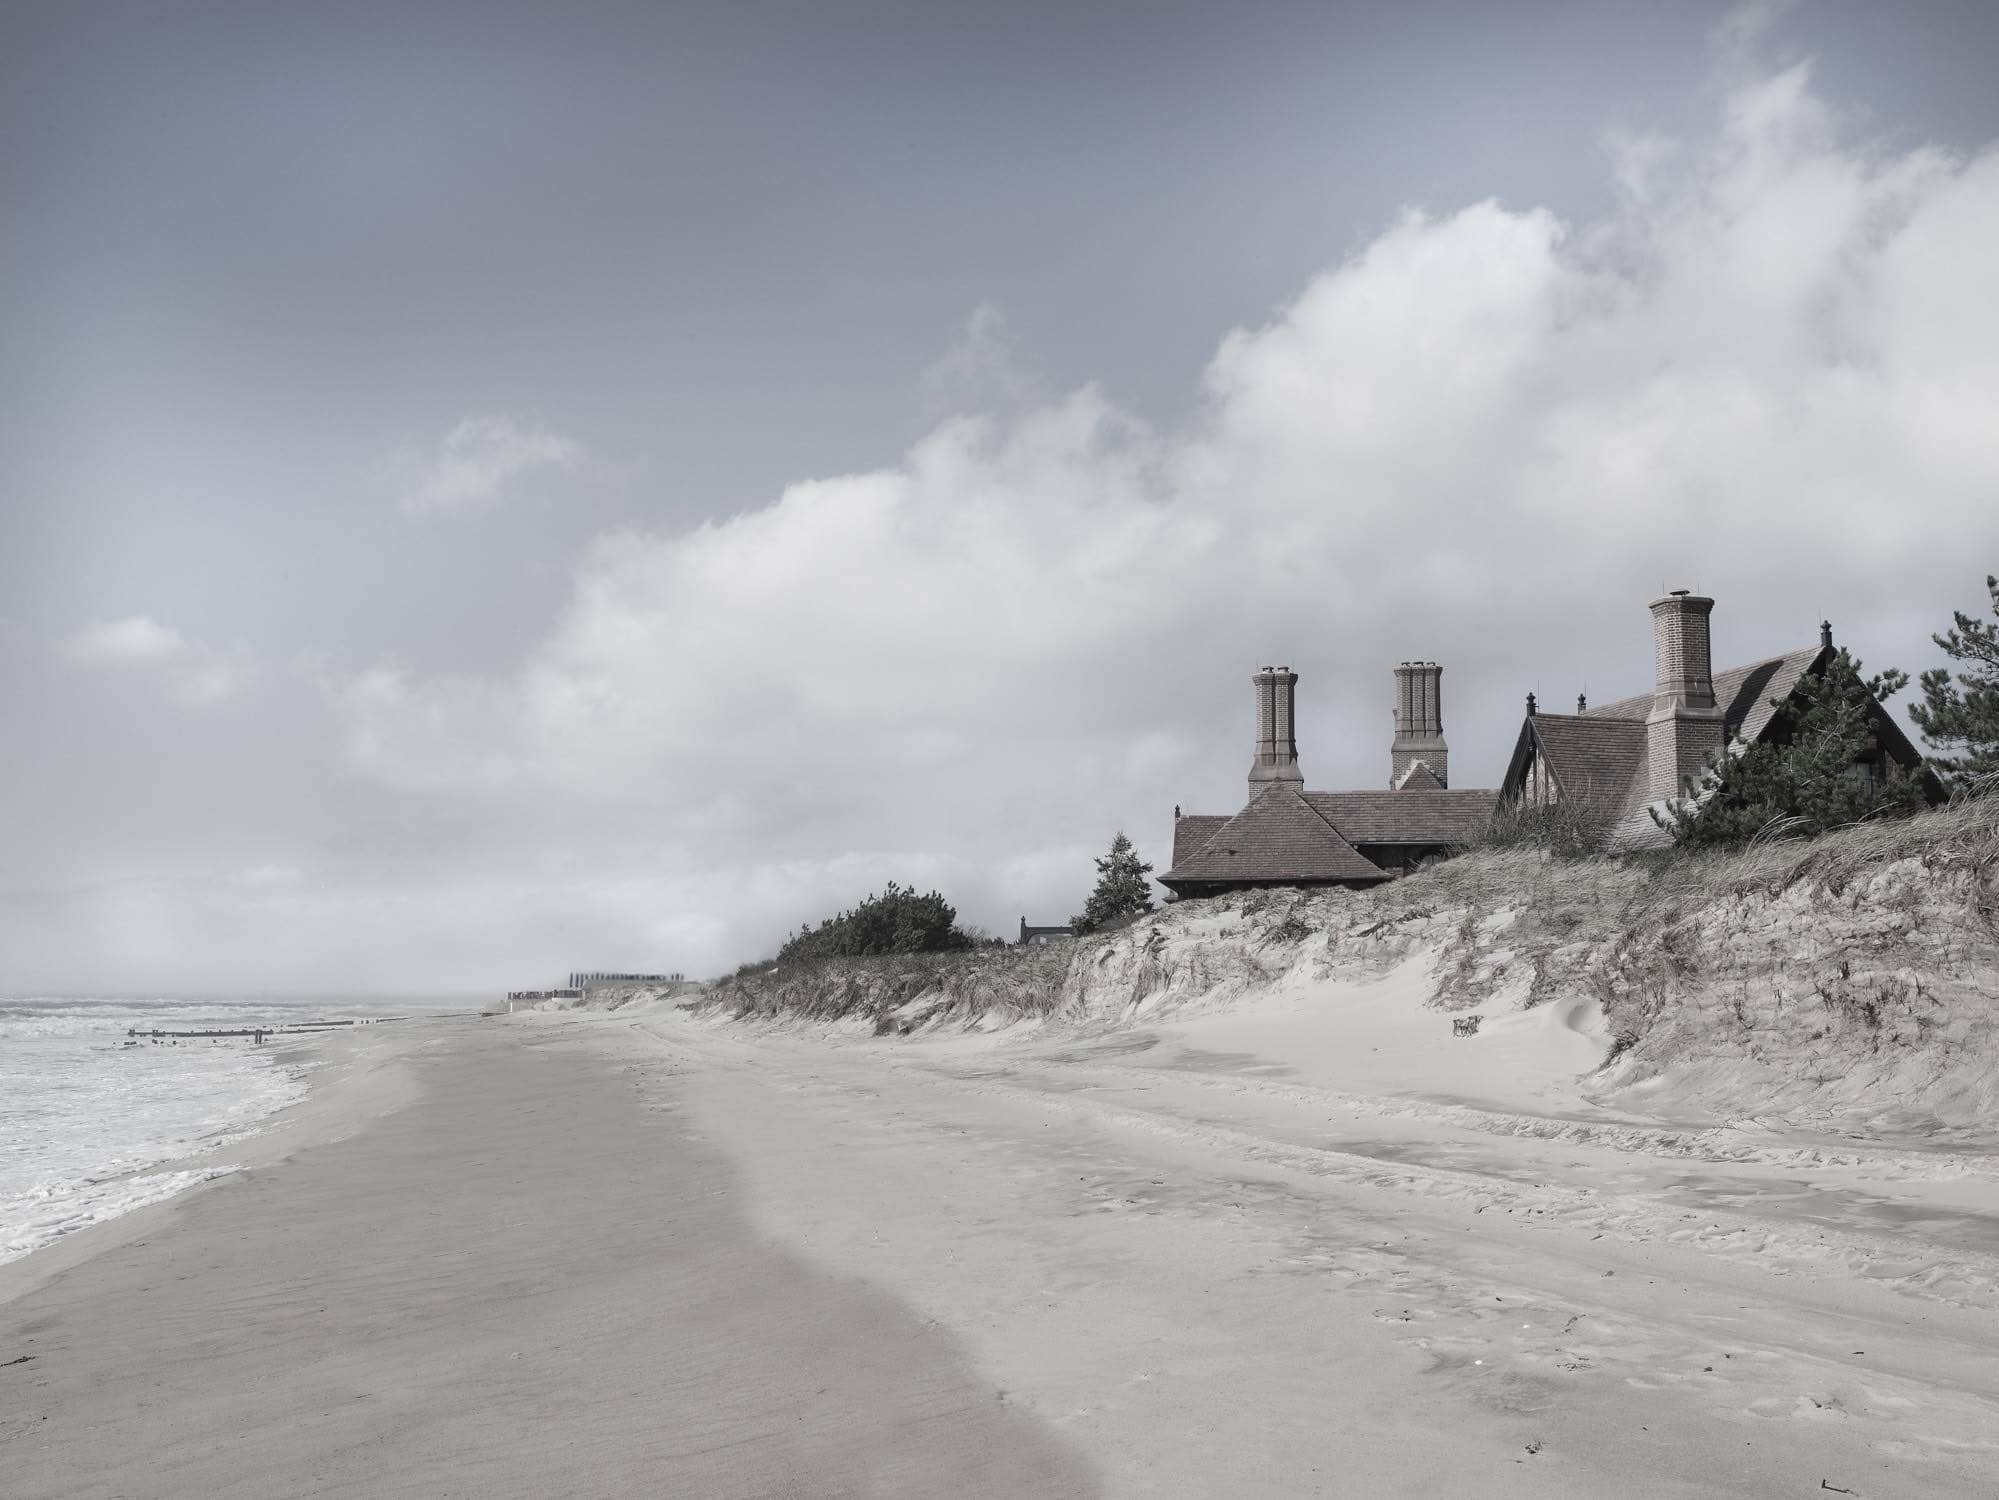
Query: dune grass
(1603,895)
(880,989)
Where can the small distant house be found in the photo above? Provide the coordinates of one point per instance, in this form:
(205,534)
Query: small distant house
(1045,934)
(1287,835)
(1632,757)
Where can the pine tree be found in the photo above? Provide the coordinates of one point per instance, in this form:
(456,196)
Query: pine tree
(897,921)
(1821,767)
(1121,889)
(1965,714)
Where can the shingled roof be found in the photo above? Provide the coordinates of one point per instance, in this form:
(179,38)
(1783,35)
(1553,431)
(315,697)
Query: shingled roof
(1193,833)
(1280,838)
(1408,816)
(1601,756)
(1420,779)
(1744,692)
(1599,759)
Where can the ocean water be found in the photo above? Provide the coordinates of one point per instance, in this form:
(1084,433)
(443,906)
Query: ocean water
(83,1116)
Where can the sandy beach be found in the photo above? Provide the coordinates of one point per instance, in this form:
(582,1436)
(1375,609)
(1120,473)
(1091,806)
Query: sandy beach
(524,1280)
(1241,1255)
(645,1253)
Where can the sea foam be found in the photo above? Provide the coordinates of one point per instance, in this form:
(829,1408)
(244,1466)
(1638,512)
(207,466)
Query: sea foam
(82,1115)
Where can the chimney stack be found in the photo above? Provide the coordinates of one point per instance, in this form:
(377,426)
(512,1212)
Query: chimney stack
(1276,731)
(1684,729)
(1419,723)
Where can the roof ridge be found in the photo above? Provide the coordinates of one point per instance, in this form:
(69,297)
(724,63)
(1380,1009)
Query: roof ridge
(1315,812)
(1602,710)
(1278,816)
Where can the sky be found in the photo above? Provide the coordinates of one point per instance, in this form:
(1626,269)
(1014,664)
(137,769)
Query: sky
(493,491)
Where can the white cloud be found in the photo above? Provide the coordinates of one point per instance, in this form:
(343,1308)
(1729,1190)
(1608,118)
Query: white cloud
(1637,161)
(137,638)
(211,679)
(981,370)
(1486,438)
(196,674)
(477,460)
(1740,38)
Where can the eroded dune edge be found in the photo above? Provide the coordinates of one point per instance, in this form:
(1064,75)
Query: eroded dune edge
(1851,982)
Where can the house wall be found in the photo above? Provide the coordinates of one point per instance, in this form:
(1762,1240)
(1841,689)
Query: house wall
(1539,786)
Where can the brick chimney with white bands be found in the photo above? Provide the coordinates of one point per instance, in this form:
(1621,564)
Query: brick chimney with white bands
(1684,729)
(1419,723)
(1276,731)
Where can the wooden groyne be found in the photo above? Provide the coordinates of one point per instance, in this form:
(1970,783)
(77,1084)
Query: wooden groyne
(255,1033)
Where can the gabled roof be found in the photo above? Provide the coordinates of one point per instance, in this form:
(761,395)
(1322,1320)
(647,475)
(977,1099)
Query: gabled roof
(1419,778)
(1408,816)
(1600,756)
(1193,833)
(1597,760)
(1743,692)
(1279,838)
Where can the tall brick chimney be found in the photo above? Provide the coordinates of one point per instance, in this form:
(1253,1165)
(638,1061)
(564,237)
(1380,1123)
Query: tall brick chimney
(1684,729)
(1419,723)
(1276,730)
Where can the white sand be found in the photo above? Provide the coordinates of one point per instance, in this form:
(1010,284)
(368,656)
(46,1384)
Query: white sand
(1304,1244)
(1312,1243)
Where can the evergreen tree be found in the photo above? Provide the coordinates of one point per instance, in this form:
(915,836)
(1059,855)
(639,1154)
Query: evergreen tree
(1965,714)
(899,920)
(1821,767)
(1121,888)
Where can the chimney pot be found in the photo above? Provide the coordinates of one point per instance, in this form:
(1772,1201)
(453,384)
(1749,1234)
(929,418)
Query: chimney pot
(1825,635)
(1684,730)
(1530,705)
(1419,723)
(1276,757)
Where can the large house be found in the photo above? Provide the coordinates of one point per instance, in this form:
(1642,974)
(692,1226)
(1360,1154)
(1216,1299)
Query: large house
(1633,757)
(1286,835)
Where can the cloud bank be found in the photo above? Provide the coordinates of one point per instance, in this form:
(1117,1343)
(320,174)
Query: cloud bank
(1487,437)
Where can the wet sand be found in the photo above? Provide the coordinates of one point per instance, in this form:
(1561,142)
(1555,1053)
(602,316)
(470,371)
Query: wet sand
(528,1279)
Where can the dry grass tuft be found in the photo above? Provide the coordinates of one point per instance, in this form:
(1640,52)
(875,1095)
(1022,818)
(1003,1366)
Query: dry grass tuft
(1600,896)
